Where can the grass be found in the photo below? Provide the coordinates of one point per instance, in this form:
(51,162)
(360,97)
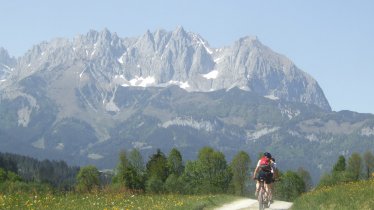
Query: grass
(354,195)
(110,201)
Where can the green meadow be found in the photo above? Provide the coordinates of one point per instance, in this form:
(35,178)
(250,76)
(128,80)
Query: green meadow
(353,195)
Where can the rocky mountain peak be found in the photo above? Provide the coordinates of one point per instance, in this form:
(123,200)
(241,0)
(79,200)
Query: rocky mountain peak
(177,57)
(7,64)
(5,58)
(179,32)
(248,41)
(94,36)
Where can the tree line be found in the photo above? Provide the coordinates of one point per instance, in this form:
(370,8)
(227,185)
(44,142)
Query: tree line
(57,174)
(210,173)
(358,167)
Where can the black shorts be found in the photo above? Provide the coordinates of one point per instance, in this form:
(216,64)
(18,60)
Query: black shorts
(266,176)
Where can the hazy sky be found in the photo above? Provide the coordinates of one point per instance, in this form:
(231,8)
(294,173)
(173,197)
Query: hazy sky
(332,40)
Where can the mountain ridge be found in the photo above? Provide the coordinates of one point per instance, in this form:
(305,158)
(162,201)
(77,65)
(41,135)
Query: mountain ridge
(177,58)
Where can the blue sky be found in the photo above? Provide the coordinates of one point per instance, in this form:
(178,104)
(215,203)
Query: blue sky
(332,40)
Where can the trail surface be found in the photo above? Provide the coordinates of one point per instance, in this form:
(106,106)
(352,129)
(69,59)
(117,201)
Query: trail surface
(251,204)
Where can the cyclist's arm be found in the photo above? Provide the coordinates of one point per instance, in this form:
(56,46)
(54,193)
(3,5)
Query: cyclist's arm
(256,170)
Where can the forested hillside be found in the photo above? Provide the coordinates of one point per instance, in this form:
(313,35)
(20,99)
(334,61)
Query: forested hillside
(56,173)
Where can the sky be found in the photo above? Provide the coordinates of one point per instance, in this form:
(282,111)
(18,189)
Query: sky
(332,40)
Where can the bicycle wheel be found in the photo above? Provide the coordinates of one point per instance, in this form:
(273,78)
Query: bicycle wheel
(261,195)
(268,201)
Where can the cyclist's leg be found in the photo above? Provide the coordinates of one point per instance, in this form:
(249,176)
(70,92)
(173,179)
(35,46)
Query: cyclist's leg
(269,191)
(269,186)
(260,175)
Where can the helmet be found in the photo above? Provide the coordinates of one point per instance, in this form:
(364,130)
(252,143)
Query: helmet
(268,155)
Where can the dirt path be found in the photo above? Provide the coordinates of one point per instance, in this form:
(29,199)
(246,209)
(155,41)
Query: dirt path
(251,204)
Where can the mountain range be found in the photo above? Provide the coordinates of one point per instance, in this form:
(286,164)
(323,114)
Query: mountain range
(84,99)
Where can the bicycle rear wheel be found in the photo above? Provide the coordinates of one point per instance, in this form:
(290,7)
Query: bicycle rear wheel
(261,195)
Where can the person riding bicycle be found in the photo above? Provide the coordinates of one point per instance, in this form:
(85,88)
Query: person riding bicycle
(274,176)
(264,171)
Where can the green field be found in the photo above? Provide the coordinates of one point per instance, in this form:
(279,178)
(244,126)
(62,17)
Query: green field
(354,195)
(110,201)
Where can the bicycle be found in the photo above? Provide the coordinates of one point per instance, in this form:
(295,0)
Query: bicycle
(263,196)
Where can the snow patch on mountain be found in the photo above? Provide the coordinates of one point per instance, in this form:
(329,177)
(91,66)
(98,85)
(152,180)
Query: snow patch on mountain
(111,106)
(137,81)
(367,131)
(142,82)
(271,97)
(294,133)
(189,122)
(40,143)
(141,145)
(24,116)
(254,135)
(183,85)
(312,137)
(95,156)
(290,113)
(211,75)
(60,146)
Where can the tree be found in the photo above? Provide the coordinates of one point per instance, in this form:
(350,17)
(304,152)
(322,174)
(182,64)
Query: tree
(208,174)
(190,179)
(13,177)
(214,170)
(326,180)
(173,185)
(88,178)
(46,172)
(240,168)
(154,185)
(3,175)
(130,170)
(133,180)
(338,174)
(340,165)
(304,174)
(157,166)
(135,173)
(157,172)
(123,164)
(175,163)
(8,163)
(369,164)
(354,167)
(136,161)
(290,186)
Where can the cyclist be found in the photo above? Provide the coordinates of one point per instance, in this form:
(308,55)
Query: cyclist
(264,171)
(274,176)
